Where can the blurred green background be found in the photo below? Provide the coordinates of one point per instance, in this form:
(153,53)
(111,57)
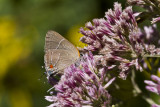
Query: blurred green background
(23,25)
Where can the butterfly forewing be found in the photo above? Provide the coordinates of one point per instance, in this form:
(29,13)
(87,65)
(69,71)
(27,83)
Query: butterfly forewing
(59,51)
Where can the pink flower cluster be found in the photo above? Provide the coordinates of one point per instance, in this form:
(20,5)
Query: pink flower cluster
(82,85)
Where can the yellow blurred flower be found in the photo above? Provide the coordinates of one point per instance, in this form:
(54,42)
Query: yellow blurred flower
(12,46)
(74,36)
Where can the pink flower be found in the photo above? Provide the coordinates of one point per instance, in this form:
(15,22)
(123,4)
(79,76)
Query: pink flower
(116,39)
(152,86)
(82,85)
(155,20)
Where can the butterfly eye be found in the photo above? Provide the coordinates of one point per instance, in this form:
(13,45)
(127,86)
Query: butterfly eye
(51,66)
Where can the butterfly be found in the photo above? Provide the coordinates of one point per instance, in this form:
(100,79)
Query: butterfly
(59,54)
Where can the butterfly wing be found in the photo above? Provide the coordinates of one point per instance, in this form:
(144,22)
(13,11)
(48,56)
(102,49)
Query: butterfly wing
(59,52)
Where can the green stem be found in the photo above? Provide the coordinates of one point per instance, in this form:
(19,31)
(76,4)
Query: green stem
(137,89)
(151,56)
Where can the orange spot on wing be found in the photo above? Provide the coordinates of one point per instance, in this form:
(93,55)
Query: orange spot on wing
(51,66)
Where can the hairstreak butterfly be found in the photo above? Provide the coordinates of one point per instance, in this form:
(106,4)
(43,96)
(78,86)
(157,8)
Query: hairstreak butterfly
(59,54)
